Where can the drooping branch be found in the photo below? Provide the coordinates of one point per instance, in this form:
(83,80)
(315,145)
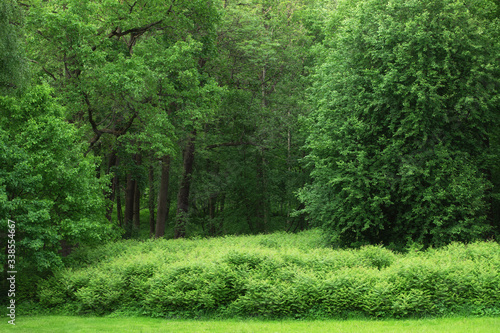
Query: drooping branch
(92,143)
(138,31)
(129,123)
(99,132)
(134,31)
(44,69)
(91,119)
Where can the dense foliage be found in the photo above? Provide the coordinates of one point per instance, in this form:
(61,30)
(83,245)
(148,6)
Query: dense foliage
(403,133)
(376,120)
(47,186)
(13,69)
(273,276)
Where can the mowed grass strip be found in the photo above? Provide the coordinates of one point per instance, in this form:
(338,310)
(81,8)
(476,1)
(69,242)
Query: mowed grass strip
(55,324)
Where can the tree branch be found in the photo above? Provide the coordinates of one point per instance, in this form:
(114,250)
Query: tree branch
(134,31)
(44,69)
(132,7)
(92,143)
(91,119)
(139,30)
(129,123)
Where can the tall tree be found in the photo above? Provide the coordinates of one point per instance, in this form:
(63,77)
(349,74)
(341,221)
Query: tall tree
(247,170)
(13,67)
(405,113)
(127,70)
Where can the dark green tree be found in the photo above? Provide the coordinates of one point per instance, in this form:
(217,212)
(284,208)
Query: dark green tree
(405,117)
(247,169)
(13,67)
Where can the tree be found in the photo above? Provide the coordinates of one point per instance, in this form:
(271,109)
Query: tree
(406,112)
(47,186)
(131,78)
(246,168)
(12,63)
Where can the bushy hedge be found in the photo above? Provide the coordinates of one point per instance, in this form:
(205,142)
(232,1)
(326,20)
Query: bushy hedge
(273,276)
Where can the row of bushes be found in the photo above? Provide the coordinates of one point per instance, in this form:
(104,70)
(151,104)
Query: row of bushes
(277,276)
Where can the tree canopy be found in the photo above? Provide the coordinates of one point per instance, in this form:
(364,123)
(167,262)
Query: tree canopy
(374,119)
(404,123)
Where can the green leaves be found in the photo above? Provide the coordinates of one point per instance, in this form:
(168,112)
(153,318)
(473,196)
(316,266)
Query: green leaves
(13,66)
(50,189)
(401,130)
(275,276)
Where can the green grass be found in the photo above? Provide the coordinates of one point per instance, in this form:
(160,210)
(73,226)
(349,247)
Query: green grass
(56,324)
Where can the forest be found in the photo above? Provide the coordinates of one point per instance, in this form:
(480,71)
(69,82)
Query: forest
(361,124)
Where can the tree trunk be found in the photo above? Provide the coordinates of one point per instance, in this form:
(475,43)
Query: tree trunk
(263,88)
(221,202)
(137,200)
(212,206)
(137,207)
(262,208)
(212,202)
(113,161)
(163,198)
(119,215)
(183,194)
(129,205)
(96,152)
(289,162)
(151,203)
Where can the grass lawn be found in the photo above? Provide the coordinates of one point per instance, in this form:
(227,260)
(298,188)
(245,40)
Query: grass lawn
(56,324)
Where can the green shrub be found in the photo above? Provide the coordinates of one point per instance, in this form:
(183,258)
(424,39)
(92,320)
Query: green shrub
(102,294)
(245,277)
(377,256)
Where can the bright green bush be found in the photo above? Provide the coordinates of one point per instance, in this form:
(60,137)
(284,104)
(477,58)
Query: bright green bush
(47,185)
(245,277)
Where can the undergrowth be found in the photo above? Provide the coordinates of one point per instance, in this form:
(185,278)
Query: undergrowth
(274,276)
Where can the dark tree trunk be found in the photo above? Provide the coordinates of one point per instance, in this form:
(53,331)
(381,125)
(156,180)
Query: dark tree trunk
(163,198)
(113,161)
(129,205)
(221,202)
(183,194)
(212,202)
(151,203)
(137,207)
(261,209)
(212,205)
(97,151)
(119,215)
(137,200)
